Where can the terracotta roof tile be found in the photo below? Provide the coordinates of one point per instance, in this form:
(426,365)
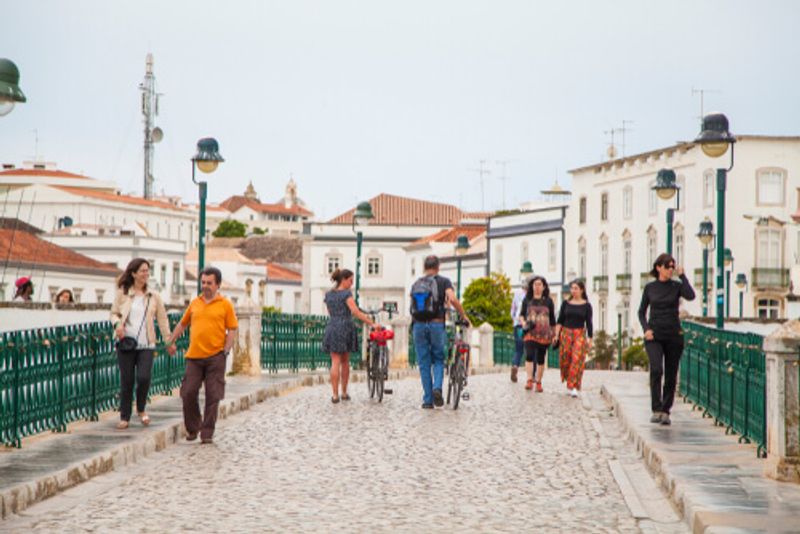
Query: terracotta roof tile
(22,247)
(392,209)
(235,202)
(450,235)
(279,272)
(127,199)
(42,172)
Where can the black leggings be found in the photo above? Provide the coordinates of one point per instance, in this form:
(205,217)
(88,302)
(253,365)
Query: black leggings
(665,356)
(535,350)
(138,365)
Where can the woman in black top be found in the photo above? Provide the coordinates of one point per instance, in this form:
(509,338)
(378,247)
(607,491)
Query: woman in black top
(538,318)
(574,334)
(662,332)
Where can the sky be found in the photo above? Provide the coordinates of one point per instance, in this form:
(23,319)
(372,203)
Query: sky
(358,98)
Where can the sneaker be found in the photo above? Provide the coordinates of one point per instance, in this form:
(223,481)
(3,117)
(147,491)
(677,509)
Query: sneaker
(539,387)
(529,384)
(665,420)
(438,400)
(656,417)
(465,396)
(427,406)
(514,371)
(573,392)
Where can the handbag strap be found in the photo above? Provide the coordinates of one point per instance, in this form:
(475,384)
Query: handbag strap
(144,318)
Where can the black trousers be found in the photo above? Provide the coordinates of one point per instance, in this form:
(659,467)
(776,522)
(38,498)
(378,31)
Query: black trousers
(134,365)
(665,356)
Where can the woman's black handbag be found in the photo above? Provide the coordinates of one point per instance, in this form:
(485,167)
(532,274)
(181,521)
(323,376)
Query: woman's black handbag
(128,343)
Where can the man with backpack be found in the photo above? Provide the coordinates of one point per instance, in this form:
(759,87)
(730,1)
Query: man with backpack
(430,295)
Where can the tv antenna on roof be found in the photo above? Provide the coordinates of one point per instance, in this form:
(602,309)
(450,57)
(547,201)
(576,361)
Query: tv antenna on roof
(702,93)
(481,171)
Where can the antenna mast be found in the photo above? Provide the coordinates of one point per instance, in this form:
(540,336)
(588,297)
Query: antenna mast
(152,134)
(702,93)
(481,171)
(503,177)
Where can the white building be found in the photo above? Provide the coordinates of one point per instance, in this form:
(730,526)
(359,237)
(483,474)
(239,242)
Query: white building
(616,226)
(398,222)
(241,276)
(283,288)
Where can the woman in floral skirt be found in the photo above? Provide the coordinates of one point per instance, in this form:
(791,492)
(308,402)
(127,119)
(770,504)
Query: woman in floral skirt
(574,335)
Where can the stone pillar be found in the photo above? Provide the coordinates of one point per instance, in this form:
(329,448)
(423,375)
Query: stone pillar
(246,353)
(486,336)
(782,350)
(401,326)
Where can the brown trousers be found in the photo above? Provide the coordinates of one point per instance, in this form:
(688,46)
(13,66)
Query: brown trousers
(211,371)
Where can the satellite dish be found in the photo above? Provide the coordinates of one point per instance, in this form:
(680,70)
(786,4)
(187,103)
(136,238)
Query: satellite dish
(157,134)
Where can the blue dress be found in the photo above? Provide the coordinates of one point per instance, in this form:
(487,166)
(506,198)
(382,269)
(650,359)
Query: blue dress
(341,334)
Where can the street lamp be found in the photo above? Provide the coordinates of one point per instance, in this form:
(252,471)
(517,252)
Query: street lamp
(207,160)
(361,217)
(706,237)
(666,187)
(10,93)
(462,246)
(741,283)
(728,270)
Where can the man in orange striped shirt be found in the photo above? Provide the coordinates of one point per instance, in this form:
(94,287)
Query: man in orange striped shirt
(213,330)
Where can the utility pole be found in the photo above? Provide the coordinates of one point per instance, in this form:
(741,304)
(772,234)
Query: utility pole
(481,172)
(152,134)
(503,177)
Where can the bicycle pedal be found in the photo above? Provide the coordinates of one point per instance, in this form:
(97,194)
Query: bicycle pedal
(387,391)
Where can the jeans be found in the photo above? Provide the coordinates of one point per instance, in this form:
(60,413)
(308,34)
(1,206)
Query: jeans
(134,366)
(429,340)
(665,356)
(519,346)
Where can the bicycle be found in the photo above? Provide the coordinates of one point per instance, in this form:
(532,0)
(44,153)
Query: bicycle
(458,364)
(377,363)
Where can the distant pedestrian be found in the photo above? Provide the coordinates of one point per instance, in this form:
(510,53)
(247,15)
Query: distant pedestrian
(538,322)
(574,334)
(64,297)
(24,290)
(133,312)
(213,331)
(519,345)
(430,295)
(663,333)
(341,334)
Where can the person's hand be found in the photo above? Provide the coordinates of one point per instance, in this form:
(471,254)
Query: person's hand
(172,349)
(648,335)
(466,320)
(120,331)
(679,270)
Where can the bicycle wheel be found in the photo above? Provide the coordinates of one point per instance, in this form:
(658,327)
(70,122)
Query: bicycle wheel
(380,375)
(370,375)
(458,382)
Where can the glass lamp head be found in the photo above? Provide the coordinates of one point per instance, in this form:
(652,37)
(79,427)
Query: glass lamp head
(666,184)
(527,268)
(715,137)
(208,157)
(706,233)
(741,280)
(462,245)
(363,214)
(728,257)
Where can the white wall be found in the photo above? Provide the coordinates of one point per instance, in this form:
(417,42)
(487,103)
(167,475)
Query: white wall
(46,282)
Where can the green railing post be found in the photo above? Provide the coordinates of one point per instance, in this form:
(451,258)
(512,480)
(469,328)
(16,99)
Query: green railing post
(15,358)
(93,348)
(62,411)
(295,339)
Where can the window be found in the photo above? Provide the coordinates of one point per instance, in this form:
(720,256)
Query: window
(413,267)
(681,182)
(603,256)
(333,262)
(769,308)
(652,200)
(498,258)
(551,255)
(627,247)
(604,207)
(163,277)
(523,251)
(626,314)
(296,303)
(99,293)
(279,299)
(582,211)
(770,189)
(678,244)
(373,266)
(652,247)
(769,248)
(582,258)
(627,202)
(708,189)
(601,311)
(176,275)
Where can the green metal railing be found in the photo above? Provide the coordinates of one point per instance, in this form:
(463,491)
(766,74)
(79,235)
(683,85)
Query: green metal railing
(50,377)
(724,374)
(504,348)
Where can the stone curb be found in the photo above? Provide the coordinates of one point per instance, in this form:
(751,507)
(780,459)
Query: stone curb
(17,498)
(660,467)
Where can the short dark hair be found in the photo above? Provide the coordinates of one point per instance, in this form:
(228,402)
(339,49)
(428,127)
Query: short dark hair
(208,271)
(431,262)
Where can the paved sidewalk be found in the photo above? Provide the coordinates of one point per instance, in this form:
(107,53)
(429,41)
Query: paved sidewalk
(716,482)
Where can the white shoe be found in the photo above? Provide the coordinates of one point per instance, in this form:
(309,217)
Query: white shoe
(573,393)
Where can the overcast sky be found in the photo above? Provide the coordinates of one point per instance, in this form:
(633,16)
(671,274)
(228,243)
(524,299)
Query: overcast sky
(355,98)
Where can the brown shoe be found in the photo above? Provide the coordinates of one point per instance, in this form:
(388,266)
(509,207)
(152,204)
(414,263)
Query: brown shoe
(514,374)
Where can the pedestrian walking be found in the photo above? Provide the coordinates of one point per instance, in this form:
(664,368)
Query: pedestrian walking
(430,296)
(341,334)
(135,309)
(538,322)
(662,332)
(213,330)
(24,289)
(516,304)
(574,334)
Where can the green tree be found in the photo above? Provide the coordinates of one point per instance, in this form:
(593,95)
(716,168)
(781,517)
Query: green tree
(602,350)
(489,299)
(635,355)
(230,228)
(258,231)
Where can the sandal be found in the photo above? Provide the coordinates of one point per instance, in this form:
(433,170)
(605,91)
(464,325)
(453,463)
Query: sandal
(345,397)
(529,384)
(145,419)
(335,400)
(122,425)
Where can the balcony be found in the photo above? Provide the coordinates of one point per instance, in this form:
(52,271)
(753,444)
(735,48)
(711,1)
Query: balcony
(624,282)
(601,284)
(698,278)
(645,278)
(774,279)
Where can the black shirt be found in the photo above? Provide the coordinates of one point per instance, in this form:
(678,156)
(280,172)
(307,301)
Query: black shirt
(576,316)
(663,299)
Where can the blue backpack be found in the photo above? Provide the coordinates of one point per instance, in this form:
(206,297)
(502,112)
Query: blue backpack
(426,301)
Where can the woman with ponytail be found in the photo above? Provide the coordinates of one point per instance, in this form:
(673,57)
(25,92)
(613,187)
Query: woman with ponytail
(341,335)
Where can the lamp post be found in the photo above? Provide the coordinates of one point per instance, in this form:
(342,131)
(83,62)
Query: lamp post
(361,217)
(728,270)
(741,283)
(666,187)
(207,160)
(706,237)
(620,309)
(10,93)
(714,140)
(462,246)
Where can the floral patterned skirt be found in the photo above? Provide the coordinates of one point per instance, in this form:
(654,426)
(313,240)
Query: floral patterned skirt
(572,356)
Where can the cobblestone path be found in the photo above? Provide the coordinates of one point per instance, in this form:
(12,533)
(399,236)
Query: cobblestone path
(507,460)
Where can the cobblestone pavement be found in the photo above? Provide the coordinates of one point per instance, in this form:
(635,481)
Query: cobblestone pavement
(507,460)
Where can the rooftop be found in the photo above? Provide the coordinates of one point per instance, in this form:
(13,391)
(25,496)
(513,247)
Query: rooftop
(24,247)
(396,210)
(279,272)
